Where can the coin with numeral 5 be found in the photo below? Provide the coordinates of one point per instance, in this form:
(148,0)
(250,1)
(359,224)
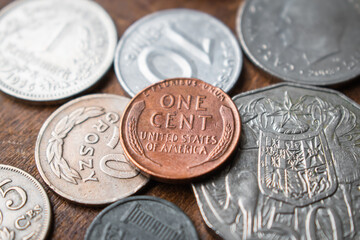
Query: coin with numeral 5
(78,153)
(25,211)
(177,43)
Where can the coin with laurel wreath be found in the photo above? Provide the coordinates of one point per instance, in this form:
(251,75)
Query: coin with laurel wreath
(25,211)
(78,153)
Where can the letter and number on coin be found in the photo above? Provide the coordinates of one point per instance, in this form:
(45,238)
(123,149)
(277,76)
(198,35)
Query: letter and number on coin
(78,153)
(25,211)
(297,173)
(180,129)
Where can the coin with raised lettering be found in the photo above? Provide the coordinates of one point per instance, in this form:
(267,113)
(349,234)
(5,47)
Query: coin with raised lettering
(78,153)
(180,129)
(25,211)
(51,50)
(306,41)
(142,217)
(177,43)
(297,171)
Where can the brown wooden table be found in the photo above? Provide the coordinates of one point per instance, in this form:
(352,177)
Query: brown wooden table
(20,122)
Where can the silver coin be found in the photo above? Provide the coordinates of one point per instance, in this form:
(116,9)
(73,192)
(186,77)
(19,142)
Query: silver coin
(25,211)
(142,217)
(78,153)
(297,171)
(177,43)
(51,49)
(305,41)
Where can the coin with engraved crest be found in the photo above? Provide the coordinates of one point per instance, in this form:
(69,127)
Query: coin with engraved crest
(25,211)
(142,217)
(303,41)
(297,171)
(78,153)
(177,43)
(51,50)
(180,129)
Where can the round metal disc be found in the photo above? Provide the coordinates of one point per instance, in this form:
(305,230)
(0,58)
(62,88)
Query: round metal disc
(78,152)
(177,43)
(296,174)
(25,211)
(311,42)
(142,217)
(51,50)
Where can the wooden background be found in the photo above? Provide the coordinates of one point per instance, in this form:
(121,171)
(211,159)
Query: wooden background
(20,122)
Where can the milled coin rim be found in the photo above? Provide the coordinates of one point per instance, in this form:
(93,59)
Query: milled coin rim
(38,160)
(166,178)
(133,27)
(140,198)
(256,62)
(95,78)
(47,211)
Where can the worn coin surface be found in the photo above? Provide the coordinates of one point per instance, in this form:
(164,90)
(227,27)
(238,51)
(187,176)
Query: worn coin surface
(179,129)
(306,41)
(78,153)
(142,217)
(51,50)
(297,171)
(25,211)
(177,43)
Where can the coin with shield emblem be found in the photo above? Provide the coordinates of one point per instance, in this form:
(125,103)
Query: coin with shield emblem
(78,153)
(297,171)
(177,43)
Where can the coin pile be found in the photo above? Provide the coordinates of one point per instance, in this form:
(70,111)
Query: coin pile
(280,162)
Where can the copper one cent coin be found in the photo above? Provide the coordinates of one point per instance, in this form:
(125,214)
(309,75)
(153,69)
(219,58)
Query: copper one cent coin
(25,211)
(78,153)
(180,129)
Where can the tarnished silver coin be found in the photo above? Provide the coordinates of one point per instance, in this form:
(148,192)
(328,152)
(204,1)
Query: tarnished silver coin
(79,155)
(297,171)
(177,43)
(142,217)
(25,211)
(314,42)
(52,49)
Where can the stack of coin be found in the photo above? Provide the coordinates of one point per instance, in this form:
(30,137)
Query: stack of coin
(280,162)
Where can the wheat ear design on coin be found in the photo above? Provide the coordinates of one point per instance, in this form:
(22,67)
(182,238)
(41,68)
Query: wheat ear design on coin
(54,150)
(133,137)
(226,136)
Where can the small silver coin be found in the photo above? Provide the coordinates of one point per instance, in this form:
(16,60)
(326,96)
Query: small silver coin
(79,155)
(297,171)
(177,43)
(25,211)
(315,42)
(142,217)
(51,49)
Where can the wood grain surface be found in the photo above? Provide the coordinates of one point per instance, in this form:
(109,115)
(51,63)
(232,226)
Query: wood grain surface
(20,122)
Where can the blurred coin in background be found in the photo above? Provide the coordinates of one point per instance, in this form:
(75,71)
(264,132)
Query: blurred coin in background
(51,50)
(177,43)
(142,217)
(303,41)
